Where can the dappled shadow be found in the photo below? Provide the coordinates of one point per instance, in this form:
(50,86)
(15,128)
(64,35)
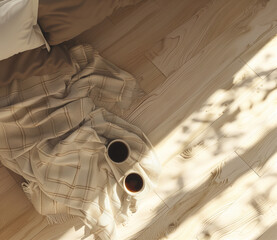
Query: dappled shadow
(189,203)
(246,127)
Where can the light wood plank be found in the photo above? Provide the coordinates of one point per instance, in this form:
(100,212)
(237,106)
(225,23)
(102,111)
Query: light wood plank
(189,82)
(6,181)
(270,233)
(173,51)
(201,111)
(213,145)
(236,223)
(111,31)
(247,87)
(73,229)
(192,200)
(262,56)
(147,75)
(131,36)
(12,205)
(252,133)
(150,208)
(187,171)
(217,149)
(191,224)
(123,38)
(248,217)
(249,124)
(125,13)
(13,201)
(24,226)
(247,132)
(18,179)
(17,213)
(93,36)
(150,26)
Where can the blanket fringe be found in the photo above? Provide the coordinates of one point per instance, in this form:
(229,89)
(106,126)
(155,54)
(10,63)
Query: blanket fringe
(58,218)
(27,190)
(51,218)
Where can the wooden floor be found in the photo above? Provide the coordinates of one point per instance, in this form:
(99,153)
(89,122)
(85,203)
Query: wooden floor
(209,71)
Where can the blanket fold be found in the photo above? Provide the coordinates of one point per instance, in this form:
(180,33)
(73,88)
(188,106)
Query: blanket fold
(54,130)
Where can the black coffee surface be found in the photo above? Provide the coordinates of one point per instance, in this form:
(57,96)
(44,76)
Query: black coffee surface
(118,152)
(134,182)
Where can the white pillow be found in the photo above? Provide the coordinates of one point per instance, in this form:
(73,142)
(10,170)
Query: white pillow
(19,30)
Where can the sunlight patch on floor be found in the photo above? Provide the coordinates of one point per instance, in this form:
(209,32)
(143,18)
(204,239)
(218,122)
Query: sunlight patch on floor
(248,106)
(237,122)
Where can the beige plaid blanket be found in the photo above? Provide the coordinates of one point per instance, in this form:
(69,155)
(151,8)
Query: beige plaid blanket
(54,130)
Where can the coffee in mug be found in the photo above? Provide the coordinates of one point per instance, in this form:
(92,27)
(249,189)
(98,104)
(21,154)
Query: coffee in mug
(118,151)
(133,183)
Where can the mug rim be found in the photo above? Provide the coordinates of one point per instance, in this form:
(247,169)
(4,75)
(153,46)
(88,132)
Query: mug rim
(125,143)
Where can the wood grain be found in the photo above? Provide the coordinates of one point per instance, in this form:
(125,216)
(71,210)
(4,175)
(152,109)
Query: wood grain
(25,226)
(127,12)
(73,229)
(111,31)
(192,200)
(6,180)
(249,217)
(178,47)
(270,233)
(150,26)
(188,82)
(252,133)
(249,123)
(13,202)
(132,36)
(201,111)
(122,23)
(150,208)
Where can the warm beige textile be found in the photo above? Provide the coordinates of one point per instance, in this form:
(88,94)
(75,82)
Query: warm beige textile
(35,62)
(53,131)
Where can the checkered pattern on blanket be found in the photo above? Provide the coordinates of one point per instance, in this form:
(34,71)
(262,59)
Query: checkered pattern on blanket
(54,130)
